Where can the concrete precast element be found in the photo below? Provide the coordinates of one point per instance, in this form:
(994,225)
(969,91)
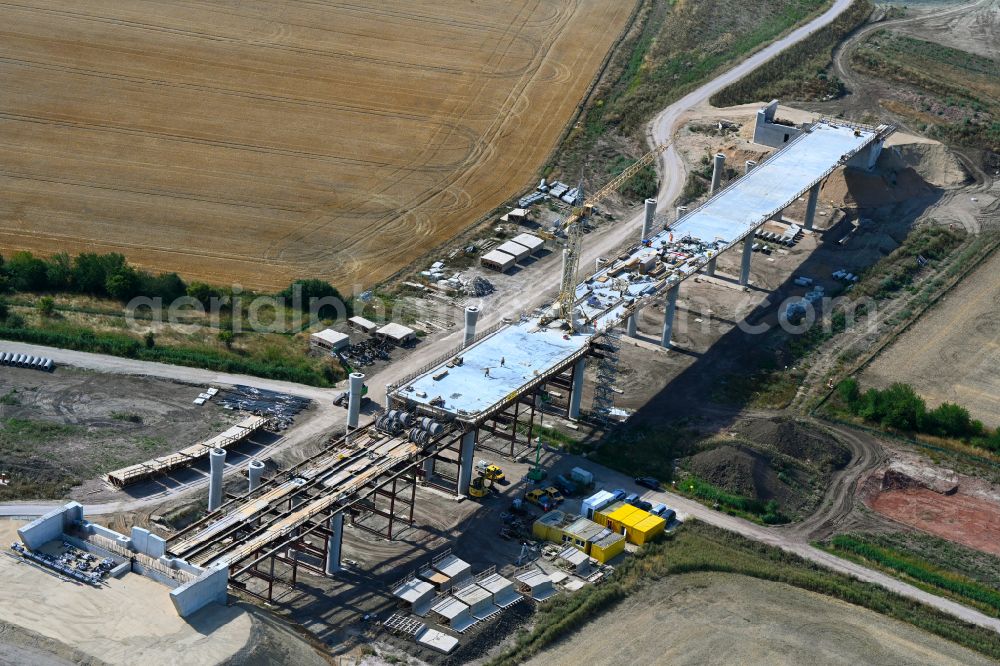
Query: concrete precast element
(710,266)
(471,315)
(745,263)
(748,166)
(669,309)
(718,168)
(811,206)
(333,544)
(647,223)
(209,587)
(466,460)
(255,471)
(217,461)
(576,396)
(681,212)
(357,384)
(40,531)
(630,325)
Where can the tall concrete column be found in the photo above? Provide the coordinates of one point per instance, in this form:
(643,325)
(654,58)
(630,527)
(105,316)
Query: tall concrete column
(357,384)
(681,211)
(333,544)
(669,309)
(255,471)
(748,166)
(811,206)
(630,327)
(428,468)
(471,315)
(647,223)
(745,265)
(717,169)
(217,462)
(710,266)
(576,395)
(465,462)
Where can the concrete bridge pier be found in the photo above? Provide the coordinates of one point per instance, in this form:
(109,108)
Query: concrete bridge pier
(630,325)
(466,460)
(669,309)
(745,265)
(333,544)
(217,462)
(471,315)
(717,170)
(647,223)
(357,384)
(710,266)
(255,471)
(811,206)
(576,395)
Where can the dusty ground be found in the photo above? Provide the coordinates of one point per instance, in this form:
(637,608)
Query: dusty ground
(127,621)
(725,619)
(257,143)
(72,425)
(951,354)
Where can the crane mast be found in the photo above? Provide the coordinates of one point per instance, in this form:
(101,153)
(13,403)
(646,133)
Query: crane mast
(574,232)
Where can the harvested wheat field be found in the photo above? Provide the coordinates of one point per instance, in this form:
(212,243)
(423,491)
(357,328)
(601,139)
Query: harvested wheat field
(717,618)
(259,142)
(951,353)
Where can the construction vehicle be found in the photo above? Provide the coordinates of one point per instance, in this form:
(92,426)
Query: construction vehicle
(537,472)
(573,226)
(554,493)
(540,498)
(492,472)
(478,488)
(564,485)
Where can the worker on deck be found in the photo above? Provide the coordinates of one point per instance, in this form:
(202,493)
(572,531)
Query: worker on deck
(502,361)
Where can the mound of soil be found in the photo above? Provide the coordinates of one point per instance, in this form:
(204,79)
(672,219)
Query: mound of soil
(803,443)
(742,471)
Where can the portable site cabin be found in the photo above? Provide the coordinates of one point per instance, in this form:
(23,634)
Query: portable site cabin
(637,525)
(397,333)
(329,339)
(454,568)
(593,539)
(497,261)
(596,502)
(362,324)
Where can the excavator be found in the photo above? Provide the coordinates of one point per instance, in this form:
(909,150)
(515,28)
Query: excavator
(573,226)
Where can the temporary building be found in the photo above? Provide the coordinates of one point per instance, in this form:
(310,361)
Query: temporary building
(595,502)
(398,333)
(479,601)
(516,250)
(329,339)
(637,525)
(454,568)
(497,261)
(530,241)
(362,324)
(501,588)
(537,584)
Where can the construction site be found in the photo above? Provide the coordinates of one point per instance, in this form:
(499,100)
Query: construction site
(430,507)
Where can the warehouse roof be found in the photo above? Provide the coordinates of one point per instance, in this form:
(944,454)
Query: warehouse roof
(331,337)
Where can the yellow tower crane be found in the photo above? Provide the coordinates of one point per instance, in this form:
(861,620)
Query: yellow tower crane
(574,235)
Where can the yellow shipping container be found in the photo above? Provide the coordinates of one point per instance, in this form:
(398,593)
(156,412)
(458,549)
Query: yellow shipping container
(606,548)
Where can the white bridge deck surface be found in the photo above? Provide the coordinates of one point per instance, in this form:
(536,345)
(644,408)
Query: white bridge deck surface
(615,291)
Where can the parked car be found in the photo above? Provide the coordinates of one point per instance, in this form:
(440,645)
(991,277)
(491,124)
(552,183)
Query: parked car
(658,509)
(554,493)
(648,482)
(540,498)
(619,494)
(631,497)
(641,504)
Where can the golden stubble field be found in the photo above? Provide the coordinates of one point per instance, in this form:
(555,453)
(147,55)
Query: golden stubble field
(257,142)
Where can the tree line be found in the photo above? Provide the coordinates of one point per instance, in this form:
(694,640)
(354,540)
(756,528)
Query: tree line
(900,408)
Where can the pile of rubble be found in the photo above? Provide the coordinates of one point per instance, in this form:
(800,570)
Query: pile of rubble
(479,286)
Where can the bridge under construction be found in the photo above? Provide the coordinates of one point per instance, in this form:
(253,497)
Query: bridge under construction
(436,418)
